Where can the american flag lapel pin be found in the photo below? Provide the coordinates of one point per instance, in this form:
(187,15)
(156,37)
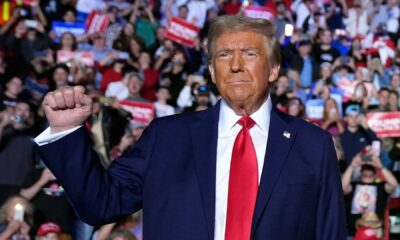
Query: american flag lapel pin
(286,134)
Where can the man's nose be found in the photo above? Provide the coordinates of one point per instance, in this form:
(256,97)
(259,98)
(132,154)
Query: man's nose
(237,62)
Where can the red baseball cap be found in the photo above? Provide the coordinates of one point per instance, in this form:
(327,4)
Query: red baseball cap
(365,233)
(48,227)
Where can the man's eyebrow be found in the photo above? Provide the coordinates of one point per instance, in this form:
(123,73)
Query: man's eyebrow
(246,49)
(224,50)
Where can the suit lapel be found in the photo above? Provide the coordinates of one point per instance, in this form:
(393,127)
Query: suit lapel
(204,137)
(280,139)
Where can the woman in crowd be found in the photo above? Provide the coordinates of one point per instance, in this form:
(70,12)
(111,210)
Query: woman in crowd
(11,226)
(331,120)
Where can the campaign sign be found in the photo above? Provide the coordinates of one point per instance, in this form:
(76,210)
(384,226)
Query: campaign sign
(86,6)
(259,12)
(315,109)
(77,28)
(384,124)
(86,58)
(97,22)
(141,112)
(30,3)
(180,31)
(347,87)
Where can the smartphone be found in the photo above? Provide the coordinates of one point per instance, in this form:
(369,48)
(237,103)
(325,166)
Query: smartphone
(19,212)
(23,12)
(289,30)
(123,55)
(31,23)
(332,112)
(376,148)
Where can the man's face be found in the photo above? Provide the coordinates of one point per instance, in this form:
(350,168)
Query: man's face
(14,86)
(50,236)
(23,109)
(241,69)
(135,85)
(326,37)
(352,120)
(60,76)
(383,98)
(367,176)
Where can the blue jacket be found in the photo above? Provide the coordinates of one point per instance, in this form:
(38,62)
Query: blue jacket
(171,172)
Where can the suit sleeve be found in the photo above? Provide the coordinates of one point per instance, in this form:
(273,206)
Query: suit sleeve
(97,195)
(331,221)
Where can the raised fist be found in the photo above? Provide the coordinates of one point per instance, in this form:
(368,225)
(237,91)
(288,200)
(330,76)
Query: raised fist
(66,108)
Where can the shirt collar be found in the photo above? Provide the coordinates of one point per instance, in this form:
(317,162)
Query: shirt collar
(228,118)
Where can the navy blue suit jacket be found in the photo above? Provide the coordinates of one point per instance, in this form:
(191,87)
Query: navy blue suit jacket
(171,171)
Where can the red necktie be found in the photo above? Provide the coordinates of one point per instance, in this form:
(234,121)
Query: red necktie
(243,184)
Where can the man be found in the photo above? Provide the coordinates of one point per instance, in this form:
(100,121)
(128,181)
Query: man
(179,171)
(17,155)
(368,194)
(357,135)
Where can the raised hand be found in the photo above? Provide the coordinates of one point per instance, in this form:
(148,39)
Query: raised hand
(67,108)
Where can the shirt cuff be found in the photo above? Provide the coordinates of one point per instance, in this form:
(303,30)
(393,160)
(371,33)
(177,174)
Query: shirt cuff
(46,137)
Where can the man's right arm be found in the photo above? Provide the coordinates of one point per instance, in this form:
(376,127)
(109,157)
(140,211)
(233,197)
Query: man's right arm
(98,195)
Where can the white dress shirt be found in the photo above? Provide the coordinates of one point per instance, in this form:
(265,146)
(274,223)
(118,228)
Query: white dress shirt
(228,128)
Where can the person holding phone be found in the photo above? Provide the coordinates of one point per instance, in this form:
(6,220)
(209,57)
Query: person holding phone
(368,194)
(11,224)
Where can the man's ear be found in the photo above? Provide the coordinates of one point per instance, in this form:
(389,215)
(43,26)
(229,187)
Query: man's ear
(274,73)
(211,69)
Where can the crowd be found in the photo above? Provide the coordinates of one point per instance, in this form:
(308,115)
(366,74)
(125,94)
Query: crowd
(341,65)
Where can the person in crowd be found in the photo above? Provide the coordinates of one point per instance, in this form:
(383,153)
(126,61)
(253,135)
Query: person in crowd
(68,42)
(202,98)
(393,101)
(135,84)
(17,155)
(114,73)
(175,75)
(305,64)
(122,42)
(131,224)
(121,234)
(150,77)
(13,90)
(368,194)
(162,107)
(383,101)
(49,231)
(357,134)
(357,20)
(323,50)
(295,107)
(16,219)
(145,23)
(107,124)
(331,120)
(281,91)
(58,77)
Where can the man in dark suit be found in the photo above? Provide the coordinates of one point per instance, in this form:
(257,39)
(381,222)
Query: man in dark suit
(241,170)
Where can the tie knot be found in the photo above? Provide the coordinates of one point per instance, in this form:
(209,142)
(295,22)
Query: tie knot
(246,122)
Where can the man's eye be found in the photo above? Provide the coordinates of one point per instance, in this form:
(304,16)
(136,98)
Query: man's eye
(223,55)
(251,54)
